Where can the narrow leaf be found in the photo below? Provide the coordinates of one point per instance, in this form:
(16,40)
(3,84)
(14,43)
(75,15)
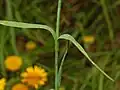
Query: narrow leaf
(61,65)
(27,25)
(70,38)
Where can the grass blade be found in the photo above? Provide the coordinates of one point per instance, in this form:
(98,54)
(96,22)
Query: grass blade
(61,65)
(12,32)
(107,17)
(27,25)
(2,43)
(70,38)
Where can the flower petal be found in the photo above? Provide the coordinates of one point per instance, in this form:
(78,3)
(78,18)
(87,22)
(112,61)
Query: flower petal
(30,69)
(41,82)
(36,86)
(44,79)
(24,74)
(43,74)
(37,69)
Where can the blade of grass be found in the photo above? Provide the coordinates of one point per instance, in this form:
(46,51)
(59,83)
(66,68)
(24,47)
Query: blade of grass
(27,25)
(70,38)
(61,65)
(107,17)
(2,42)
(103,65)
(12,32)
(101,80)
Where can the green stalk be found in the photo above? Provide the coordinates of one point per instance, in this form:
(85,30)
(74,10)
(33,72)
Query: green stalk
(101,81)
(12,32)
(2,42)
(107,17)
(56,64)
(58,18)
(57,44)
(61,65)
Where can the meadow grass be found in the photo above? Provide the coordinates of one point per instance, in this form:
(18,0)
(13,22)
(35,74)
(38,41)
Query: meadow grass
(74,73)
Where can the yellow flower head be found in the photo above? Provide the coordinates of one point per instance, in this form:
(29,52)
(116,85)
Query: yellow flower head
(30,45)
(13,63)
(34,76)
(20,86)
(2,83)
(88,39)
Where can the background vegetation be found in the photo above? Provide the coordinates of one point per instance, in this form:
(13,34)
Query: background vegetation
(97,18)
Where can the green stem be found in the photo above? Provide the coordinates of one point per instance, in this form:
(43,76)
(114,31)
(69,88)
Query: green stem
(2,53)
(12,32)
(56,64)
(13,41)
(61,65)
(57,44)
(106,14)
(101,80)
(58,18)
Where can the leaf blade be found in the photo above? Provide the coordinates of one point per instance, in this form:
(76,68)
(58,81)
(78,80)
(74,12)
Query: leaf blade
(70,38)
(27,25)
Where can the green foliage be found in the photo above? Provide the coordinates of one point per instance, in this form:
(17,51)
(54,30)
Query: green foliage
(78,18)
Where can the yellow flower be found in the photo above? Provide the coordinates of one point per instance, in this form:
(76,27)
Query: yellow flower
(34,76)
(2,83)
(30,45)
(88,39)
(13,63)
(20,86)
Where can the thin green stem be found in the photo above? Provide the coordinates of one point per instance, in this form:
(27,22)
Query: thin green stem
(57,44)
(12,32)
(13,41)
(58,17)
(101,80)
(107,17)
(2,42)
(61,65)
(56,64)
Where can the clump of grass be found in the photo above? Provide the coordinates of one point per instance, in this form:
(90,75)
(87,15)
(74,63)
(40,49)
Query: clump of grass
(57,37)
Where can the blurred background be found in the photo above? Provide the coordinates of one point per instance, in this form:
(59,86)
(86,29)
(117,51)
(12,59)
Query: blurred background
(95,24)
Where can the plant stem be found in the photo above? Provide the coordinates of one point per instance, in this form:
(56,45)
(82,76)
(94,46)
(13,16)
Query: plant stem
(61,65)
(58,18)
(106,14)
(101,81)
(56,64)
(2,42)
(12,32)
(57,44)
